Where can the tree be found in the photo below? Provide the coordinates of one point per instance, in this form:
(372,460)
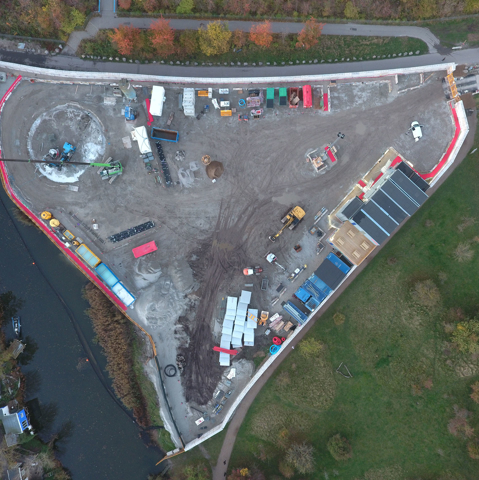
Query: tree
(127,39)
(300,456)
(350,11)
(466,336)
(339,447)
(286,469)
(463,252)
(185,7)
(310,348)
(162,37)
(309,35)
(74,19)
(215,39)
(473,449)
(239,38)
(261,35)
(475,392)
(472,6)
(151,5)
(124,4)
(188,42)
(426,293)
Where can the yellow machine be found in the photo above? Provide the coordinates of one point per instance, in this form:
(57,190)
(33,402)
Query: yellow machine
(46,215)
(291,220)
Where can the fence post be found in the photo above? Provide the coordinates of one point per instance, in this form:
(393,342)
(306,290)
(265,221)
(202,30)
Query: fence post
(99,6)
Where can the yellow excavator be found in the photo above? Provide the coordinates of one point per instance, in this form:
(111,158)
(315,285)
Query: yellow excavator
(290,220)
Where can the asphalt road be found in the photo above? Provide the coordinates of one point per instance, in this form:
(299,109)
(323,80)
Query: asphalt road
(67,62)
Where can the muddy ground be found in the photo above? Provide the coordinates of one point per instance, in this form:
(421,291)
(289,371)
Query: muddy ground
(208,232)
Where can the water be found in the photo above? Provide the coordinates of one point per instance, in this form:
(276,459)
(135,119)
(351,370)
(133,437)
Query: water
(105,443)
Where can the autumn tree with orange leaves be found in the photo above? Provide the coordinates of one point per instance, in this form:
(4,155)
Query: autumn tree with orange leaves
(162,37)
(309,35)
(127,39)
(261,35)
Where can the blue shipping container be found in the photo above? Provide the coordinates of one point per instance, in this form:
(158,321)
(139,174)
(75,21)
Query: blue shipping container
(106,275)
(338,263)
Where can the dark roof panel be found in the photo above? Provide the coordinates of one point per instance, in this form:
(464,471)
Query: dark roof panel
(409,187)
(389,206)
(370,227)
(399,197)
(378,216)
(330,274)
(353,207)
(413,176)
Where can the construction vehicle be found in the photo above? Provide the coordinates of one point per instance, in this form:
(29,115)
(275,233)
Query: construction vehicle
(130,114)
(60,230)
(271,258)
(264,318)
(54,154)
(110,169)
(296,273)
(252,271)
(290,220)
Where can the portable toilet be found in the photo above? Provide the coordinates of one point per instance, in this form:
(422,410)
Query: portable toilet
(283,96)
(270,97)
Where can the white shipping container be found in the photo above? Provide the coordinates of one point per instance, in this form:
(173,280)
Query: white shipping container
(157,100)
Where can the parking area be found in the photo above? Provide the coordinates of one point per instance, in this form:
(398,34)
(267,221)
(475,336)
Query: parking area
(208,232)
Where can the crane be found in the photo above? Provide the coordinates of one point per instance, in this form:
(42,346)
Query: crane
(109,169)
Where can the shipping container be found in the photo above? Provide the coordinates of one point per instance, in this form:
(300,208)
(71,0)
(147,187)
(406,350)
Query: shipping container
(87,255)
(164,134)
(123,294)
(144,249)
(307,97)
(106,275)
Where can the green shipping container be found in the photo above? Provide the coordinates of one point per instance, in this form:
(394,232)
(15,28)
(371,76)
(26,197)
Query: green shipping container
(283,96)
(269,97)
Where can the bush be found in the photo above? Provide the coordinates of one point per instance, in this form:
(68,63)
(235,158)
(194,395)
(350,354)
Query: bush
(339,447)
(466,336)
(127,39)
(426,293)
(188,42)
(475,392)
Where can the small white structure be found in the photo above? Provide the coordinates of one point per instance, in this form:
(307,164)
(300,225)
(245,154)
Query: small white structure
(157,100)
(140,135)
(189,102)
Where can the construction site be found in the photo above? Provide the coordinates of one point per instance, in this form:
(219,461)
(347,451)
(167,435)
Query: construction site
(207,209)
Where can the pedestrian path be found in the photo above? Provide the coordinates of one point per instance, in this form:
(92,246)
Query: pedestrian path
(108,20)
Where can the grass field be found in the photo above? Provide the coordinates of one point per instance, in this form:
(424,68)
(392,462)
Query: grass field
(408,378)
(454,32)
(330,48)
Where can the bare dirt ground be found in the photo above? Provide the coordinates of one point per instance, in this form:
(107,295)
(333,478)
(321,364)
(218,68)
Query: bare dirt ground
(208,232)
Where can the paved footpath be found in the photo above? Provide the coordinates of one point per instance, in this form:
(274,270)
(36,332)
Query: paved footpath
(109,19)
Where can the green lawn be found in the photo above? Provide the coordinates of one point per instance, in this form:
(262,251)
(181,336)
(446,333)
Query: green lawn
(407,377)
(330,48)
(454,32)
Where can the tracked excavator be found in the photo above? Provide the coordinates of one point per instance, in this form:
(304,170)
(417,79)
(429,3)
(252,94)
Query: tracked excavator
(110,170)
(290,220)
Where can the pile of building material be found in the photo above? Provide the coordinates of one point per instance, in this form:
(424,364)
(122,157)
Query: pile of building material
(189,102)
(238,321)
(276,322)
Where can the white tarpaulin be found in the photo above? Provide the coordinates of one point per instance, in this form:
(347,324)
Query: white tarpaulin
(140,135)
(157,100)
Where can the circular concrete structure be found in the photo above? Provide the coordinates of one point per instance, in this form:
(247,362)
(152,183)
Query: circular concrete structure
(66,123)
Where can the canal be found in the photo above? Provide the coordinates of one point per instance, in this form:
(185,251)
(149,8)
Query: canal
(104,442)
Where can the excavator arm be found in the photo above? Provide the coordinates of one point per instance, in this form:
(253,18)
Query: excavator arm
(283,228)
